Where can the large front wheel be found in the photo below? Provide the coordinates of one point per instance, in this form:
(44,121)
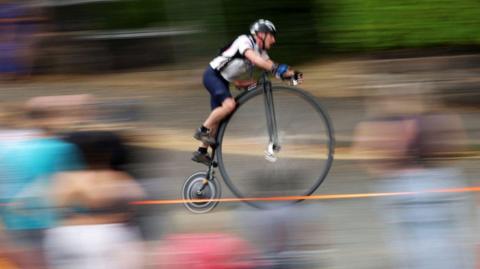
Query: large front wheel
(302,160)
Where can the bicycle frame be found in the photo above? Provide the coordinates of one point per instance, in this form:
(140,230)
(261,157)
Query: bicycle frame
(206,187)
(210,171)
(273,145)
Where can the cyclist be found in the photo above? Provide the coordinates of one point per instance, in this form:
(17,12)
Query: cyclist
(234,61)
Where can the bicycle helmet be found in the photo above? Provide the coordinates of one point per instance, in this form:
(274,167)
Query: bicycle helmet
(263,26)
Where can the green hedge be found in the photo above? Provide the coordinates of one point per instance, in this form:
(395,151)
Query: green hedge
(307,28)
(297,38)
(312,28)
(110,15)
(359,25)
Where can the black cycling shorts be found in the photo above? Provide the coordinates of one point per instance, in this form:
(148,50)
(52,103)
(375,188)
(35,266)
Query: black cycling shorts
(217,86)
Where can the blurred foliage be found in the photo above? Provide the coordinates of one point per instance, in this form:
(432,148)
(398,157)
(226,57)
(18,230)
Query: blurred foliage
(297,34)
(218,22)
(110,15)
(307,28)
(359,25)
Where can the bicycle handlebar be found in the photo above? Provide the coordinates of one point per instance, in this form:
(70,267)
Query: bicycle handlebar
(294,80)
(297,77)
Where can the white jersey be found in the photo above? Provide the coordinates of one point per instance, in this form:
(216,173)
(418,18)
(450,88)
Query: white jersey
(232,63)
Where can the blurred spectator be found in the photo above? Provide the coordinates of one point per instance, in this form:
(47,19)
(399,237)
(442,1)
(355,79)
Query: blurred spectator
(407,149)
(111,143)
(28,159)
(19,25)
(13,123)
(68,111)
(97,231)
(8,17)
(286,236)
(6,262)
(206,251)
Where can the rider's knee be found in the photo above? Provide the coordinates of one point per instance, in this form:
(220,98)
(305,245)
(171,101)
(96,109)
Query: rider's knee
(229,104)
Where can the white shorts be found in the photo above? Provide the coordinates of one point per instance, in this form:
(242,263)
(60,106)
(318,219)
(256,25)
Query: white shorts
(93,246)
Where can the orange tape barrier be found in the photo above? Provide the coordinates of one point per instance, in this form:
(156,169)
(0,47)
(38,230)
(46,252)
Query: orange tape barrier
(294,198)
(311,197)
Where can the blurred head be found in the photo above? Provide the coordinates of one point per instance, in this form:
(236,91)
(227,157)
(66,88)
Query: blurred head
(264,31)
(60,112)
(12,115)
(100,149)
(438,135)
(44,118)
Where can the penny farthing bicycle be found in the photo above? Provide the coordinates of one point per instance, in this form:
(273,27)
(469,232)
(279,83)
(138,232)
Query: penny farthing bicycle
(274,149)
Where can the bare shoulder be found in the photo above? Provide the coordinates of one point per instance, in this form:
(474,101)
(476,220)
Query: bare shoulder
(125,184)
(66,176)
(118,175)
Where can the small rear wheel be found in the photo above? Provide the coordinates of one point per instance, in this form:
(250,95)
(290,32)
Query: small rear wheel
(205,191)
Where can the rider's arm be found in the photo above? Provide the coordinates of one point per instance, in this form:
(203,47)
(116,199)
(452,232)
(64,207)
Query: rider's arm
(243,84)
(265,64)
(287,74)
(257,60)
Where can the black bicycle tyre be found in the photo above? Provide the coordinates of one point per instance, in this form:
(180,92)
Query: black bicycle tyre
(245,97)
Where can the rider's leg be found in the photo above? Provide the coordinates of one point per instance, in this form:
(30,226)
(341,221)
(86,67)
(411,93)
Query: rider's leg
(211,123)
(210,126)
(222,105)
(221,102)
(219,113)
